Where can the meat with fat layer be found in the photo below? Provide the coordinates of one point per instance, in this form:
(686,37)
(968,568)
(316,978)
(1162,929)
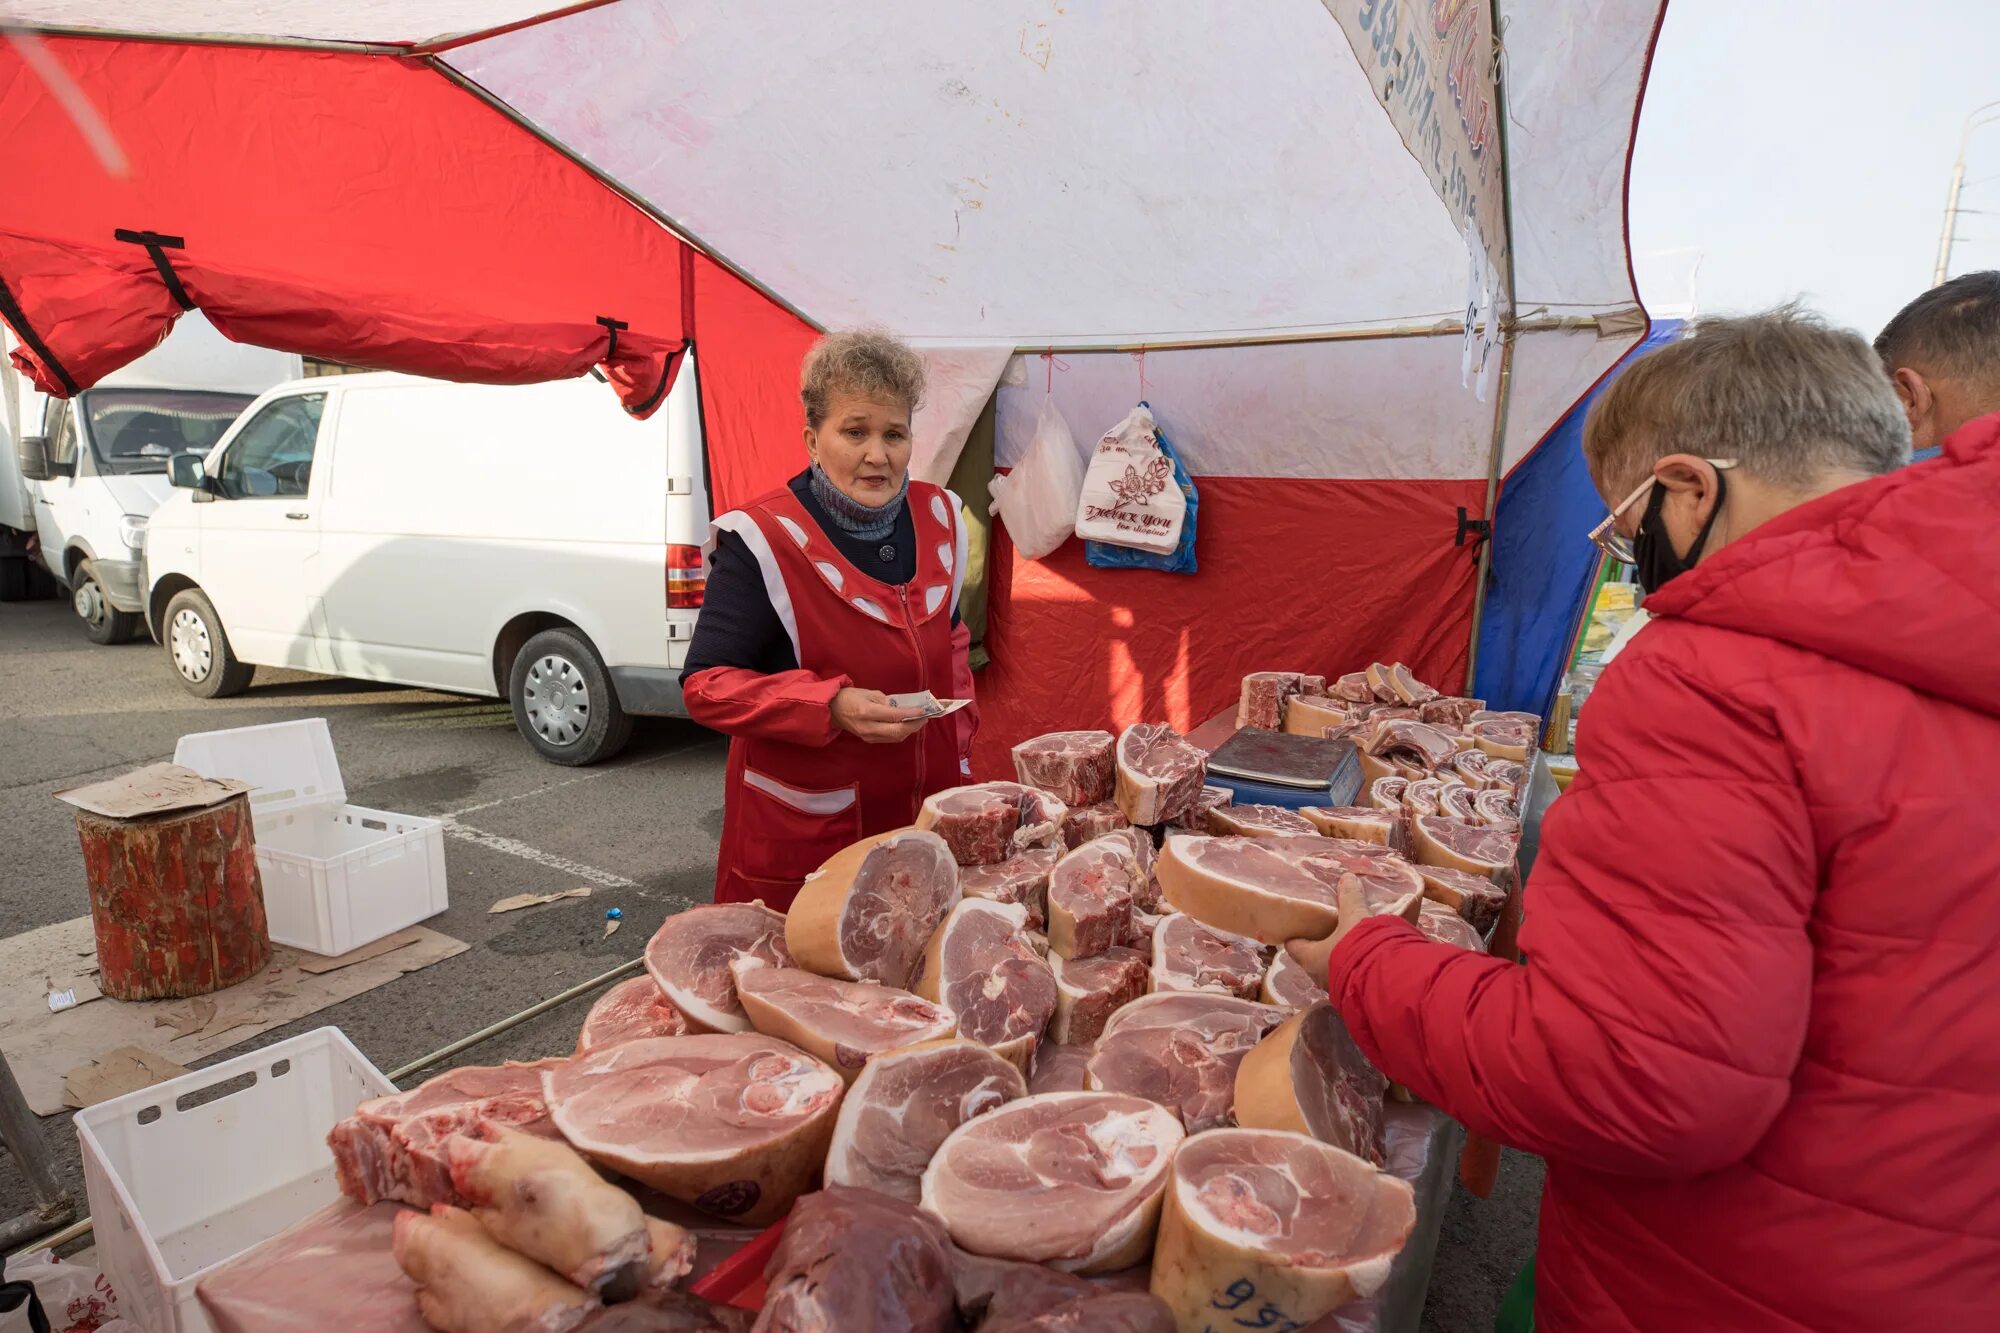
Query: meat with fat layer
(1458,800)
(1387,793)
(736,1124)
(1090,990)
(1446,926)
(394,1147)
(1059,1066)
(1091,895)
(1315,715)
(1362,823)
(1449,711)
(1505,737)
(866,914)
(1190,956)
(991,821)
(1263,698)
(907,1102)
(1352,688)
(689,957)
(1475,897)
(1498,807)
(1288,984)
(1416,743)
(1069,1179)
(1099,1312)
(845,1023)
(1276,889)
(855,1259)
(1457,844)
(1181,1049)
(539,1198)
(1259,821)
(634,1008)
(468,1282)
(1308,1076)
(1083,823)
(1079,767)
(1022,879)
(981,969)
(1303,1224)
(1160,775)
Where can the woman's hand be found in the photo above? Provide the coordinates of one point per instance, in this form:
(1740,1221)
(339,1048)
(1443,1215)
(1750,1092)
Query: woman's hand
(869,715)
(1315,956)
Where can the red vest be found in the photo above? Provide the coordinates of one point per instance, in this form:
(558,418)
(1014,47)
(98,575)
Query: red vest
(788,807)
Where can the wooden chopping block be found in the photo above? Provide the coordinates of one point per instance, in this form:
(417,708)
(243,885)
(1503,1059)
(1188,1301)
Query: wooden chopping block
(176,900)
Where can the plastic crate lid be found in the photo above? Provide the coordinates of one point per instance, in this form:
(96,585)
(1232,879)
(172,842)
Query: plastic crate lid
(289,765)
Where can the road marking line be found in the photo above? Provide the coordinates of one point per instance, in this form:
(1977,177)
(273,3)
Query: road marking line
(591,776)
(548,860)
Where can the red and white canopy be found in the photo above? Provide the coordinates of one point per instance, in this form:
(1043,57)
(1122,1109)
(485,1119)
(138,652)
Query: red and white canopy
(1280,204)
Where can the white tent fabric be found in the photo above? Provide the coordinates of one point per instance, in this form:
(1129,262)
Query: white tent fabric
(374,21)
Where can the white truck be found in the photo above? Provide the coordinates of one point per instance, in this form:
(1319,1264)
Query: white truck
(81,477)
(529,542)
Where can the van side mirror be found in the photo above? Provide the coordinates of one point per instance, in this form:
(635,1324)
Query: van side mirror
(186,471)
(35,464)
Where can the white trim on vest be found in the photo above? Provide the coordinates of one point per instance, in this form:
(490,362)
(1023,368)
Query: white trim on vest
(746,527)
(807,802)
(958,547)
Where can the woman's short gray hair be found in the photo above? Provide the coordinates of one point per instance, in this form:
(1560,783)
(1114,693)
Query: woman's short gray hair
(1784,392)
(870,362)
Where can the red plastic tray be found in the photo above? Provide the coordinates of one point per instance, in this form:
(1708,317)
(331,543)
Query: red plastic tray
(739,1279)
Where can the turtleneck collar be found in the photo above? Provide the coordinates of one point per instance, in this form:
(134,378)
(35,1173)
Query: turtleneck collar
(854,518)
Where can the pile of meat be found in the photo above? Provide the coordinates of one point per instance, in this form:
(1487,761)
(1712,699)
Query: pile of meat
(1039,1037)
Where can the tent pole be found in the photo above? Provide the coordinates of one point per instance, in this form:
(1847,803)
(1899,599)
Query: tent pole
(1443,327)
(1509,331)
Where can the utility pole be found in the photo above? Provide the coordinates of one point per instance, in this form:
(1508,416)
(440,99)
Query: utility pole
(1950,231)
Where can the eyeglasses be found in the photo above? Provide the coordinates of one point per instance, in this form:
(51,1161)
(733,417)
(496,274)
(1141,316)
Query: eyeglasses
(1616,544)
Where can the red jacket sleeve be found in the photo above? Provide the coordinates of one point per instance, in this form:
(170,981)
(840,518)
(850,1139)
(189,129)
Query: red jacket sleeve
(794,706)
(1655,1025)
(962,688)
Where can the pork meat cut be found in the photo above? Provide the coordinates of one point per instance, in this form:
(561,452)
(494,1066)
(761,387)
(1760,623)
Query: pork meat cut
(539,1198)
(982,971)
(1259,821)
(1277,889)
(632,1009)
(1417,744)
(866,914)
(1446,926)
(736,1124)
(1362,823)
(1458,844)
(1387,793)
(1308,1076)
(1475,897)
(1091,894)
(1190,956)
(1352,688)
(1504,737)
(1069,1179)
(1449,711)
(394,1147)
(1160,775)
(845,1023)
(1022,879)
(905,1104)
(1262,703)
(689,958)
(1288,984)
(991,821)
(1181,1049)
(468,1282)
(1315,715)
(1059,1066)
(854,1259)
(1077,766)
(1497,806)
(1085,822)
(1090,990)
(1098,1312)
(1304,1225)
(1459,801)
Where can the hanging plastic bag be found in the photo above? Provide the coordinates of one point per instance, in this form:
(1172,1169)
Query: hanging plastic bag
(1175,491)
(1038,499)
(1129,495)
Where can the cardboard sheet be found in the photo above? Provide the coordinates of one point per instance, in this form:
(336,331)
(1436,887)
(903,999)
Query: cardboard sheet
(46,1048)
(157,789)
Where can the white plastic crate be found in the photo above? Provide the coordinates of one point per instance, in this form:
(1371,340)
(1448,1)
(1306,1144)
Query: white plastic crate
(192,1172)
(336,876)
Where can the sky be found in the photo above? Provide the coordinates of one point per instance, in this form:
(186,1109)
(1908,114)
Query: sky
(1802,148)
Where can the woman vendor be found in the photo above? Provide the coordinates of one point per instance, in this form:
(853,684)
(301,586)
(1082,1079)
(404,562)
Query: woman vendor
(826,596)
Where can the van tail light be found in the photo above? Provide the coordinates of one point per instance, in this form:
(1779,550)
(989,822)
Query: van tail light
(687,578)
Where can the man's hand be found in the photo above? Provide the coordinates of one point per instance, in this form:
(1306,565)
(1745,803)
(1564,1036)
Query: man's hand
(869,715)
(1315,955)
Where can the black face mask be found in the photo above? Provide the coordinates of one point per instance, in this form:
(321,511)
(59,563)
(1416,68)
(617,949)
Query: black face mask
(1653,553)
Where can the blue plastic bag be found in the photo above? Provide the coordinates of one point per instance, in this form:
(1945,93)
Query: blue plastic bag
(1103,555)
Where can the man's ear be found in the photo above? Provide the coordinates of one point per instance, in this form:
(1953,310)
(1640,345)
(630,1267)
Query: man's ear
(1688,478)
(1915,393)
(812,445)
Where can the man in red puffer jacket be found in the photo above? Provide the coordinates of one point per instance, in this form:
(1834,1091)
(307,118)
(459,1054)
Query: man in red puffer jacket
(1757,1035)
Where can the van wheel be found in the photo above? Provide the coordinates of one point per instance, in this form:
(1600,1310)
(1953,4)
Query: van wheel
(563,700)
(102,622)
(200,650)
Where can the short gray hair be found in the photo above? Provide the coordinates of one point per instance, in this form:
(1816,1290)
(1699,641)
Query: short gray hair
(1785,393)
(1950,332)
(870,362)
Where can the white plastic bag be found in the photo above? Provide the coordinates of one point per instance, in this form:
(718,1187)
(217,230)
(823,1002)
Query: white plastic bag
(1038,499)
(1129,495)
(75,1297)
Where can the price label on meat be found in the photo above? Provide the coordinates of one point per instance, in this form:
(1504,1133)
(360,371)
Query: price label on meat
(1239,1307)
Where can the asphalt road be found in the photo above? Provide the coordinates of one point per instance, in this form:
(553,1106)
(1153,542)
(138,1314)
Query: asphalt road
(640,831)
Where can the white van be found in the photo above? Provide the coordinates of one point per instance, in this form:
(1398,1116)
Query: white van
(85,474)
(530,542)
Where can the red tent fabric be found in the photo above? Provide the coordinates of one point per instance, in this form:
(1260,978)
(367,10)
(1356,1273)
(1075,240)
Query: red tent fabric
(351,205)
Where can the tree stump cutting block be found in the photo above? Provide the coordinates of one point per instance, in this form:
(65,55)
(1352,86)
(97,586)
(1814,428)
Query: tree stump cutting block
(176,900)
